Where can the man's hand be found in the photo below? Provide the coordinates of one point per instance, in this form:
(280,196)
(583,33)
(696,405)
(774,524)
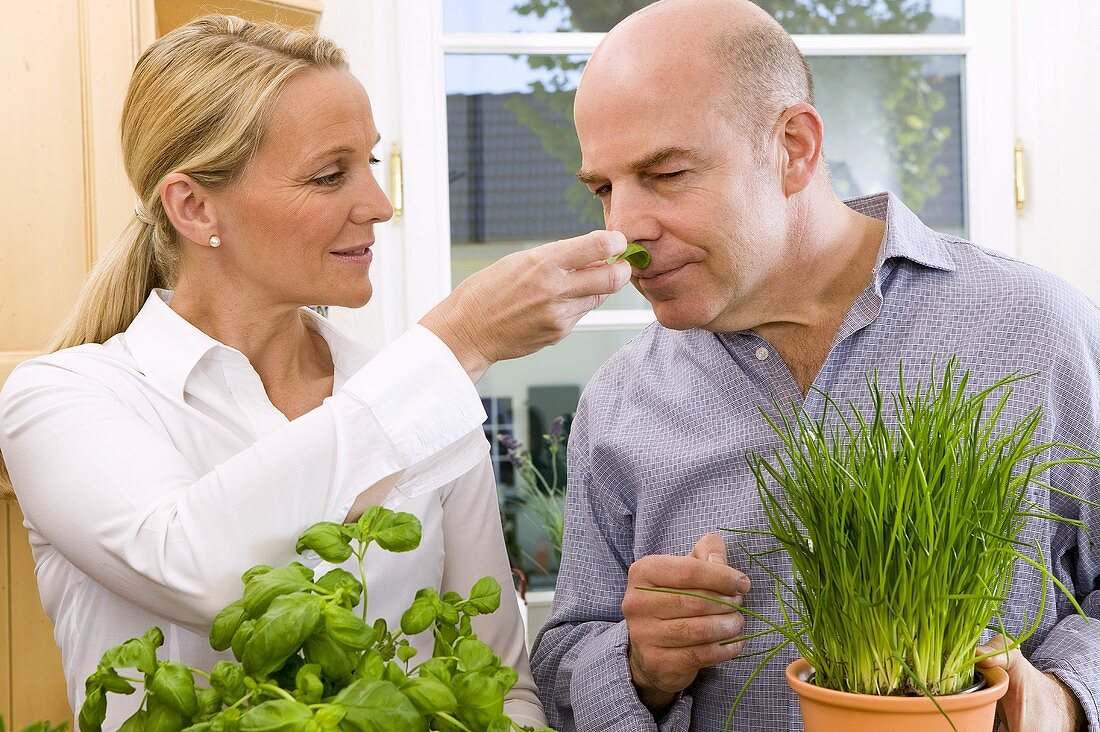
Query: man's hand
(672,636)
(1035,701)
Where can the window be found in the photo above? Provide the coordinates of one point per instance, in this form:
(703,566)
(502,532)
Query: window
(909,93)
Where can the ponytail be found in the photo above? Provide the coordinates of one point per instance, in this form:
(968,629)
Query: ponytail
(114,291)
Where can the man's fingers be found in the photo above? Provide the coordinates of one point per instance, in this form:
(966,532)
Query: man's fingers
(996,645)
(687,632)
(710,548)
(689,573)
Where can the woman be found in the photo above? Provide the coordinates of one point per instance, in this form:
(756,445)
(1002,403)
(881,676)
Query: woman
(193,418)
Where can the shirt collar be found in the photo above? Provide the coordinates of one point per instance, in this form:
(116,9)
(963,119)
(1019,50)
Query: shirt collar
(167,348)
(905,236)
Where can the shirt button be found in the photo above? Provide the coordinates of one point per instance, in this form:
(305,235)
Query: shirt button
(761,354)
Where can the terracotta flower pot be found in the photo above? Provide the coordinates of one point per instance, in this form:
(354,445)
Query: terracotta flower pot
(826,710)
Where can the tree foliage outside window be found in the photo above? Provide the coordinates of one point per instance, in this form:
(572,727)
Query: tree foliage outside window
(902,121)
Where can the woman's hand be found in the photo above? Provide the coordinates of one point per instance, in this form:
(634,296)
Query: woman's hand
(1034,701)
(528,300)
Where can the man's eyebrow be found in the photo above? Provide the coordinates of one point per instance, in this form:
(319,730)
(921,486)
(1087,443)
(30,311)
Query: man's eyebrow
(652,160)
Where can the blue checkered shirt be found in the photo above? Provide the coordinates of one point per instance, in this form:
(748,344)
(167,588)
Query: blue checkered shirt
(657,459)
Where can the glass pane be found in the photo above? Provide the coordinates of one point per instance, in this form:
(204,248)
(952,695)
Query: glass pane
(513,160)
(896,123)
(891,123)
(523,398)
(797,16)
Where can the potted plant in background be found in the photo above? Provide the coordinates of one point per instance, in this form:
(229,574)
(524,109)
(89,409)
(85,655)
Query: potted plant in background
(902,526)
(540,483)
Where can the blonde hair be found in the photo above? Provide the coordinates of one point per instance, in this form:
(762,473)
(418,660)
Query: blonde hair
(197,103)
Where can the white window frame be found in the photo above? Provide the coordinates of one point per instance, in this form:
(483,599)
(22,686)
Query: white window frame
(410,84)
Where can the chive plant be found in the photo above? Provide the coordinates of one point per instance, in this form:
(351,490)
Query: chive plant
(903,536)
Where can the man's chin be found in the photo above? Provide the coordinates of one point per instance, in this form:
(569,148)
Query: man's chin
(676,318)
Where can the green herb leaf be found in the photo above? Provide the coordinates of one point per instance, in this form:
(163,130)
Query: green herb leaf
(280,632)
(327,540)
(94,710)
(262,590)
(111,681)
(329,716)
(473,655)
(485,596)
(637,255)
(421,613)
(308,683)
(228,679)
(335,661)
(137,653)
(378,706)
(241,638)
(480,700)
(401,533)
(174,687)
(225,625)
(135,722)
(430,695)
(162,718)
(347,628)
(279,715)
(210,702)
(340,579)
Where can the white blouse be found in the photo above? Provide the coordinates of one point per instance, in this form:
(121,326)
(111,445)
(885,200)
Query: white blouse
(153,471)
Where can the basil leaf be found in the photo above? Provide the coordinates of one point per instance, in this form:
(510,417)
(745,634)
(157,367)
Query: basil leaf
(335,661)
(340,579)
(347,628)
(137,653)
(480,700)
(262,590)
(485,596)
(210,702)
(225,625)
(228,679)
(111,681)
(400,533)
(280,715)
(636,255)
(135,722)
(327,540)
(378,706)
(473,655)
(240,638)
(280,632)
(162,718)
(94,710)
(308,683)
(430,695)
(421,613)
(174,687)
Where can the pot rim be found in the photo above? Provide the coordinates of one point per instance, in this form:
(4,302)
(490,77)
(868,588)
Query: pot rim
(799,670)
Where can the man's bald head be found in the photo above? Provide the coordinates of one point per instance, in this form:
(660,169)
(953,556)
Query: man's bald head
(757,68)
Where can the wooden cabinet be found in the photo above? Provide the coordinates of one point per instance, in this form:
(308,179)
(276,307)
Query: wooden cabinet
(64,66)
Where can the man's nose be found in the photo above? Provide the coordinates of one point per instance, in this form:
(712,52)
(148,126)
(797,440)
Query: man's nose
(634,214)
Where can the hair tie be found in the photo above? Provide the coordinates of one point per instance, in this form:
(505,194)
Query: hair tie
(143,215)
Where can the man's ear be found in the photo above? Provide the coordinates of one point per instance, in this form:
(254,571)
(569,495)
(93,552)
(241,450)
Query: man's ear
(800,132)
(186,202)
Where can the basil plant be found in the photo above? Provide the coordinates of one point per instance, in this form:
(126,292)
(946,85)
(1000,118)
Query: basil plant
(307,659)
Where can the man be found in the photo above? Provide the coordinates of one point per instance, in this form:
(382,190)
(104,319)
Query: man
(698,134)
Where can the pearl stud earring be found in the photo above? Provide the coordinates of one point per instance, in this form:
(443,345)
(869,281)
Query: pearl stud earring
(215,241)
